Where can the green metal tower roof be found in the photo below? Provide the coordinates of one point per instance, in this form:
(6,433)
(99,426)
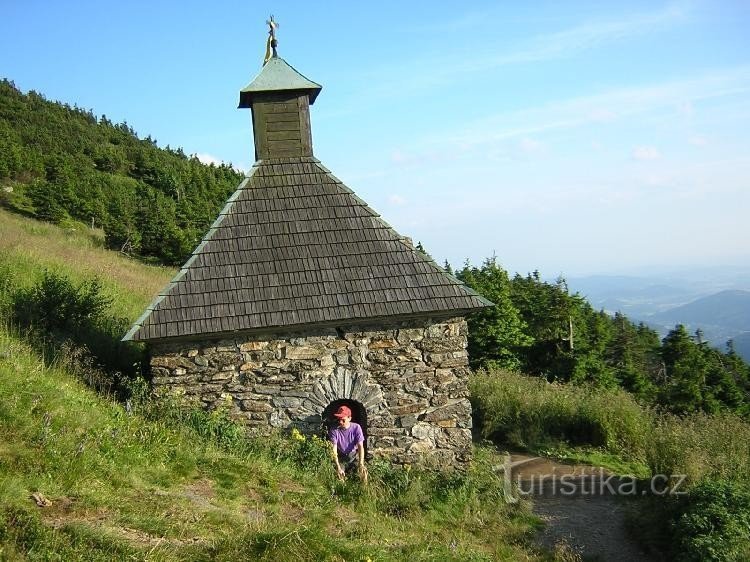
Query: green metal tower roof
(275,76)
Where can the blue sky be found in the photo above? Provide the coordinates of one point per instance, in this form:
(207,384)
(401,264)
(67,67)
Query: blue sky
(569,137)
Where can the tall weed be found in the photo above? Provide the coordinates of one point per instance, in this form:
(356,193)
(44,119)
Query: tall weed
(529,412)
(521,411)
(700,446)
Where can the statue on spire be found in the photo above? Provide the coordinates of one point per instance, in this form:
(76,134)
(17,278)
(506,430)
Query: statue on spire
(271,42)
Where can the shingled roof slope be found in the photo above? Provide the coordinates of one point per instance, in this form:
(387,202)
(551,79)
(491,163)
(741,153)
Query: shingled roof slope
(295,246)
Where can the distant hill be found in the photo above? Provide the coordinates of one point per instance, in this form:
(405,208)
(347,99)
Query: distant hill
(742,345)
(635,296)
(65,165)
(644,295)
(730,309)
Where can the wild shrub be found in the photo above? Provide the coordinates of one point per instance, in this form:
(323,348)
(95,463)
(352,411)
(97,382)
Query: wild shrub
(56,306)
(712,523)
(71,324)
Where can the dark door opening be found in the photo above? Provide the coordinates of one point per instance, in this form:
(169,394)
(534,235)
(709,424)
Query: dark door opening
(359,415)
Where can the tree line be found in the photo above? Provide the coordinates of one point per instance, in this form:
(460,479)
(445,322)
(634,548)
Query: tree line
(539,328)
(60,163)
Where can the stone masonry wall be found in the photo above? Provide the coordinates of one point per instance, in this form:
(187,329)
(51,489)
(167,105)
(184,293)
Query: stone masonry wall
(411,377)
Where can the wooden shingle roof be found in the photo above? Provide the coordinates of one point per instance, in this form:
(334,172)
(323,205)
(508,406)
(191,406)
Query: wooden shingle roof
(294,246)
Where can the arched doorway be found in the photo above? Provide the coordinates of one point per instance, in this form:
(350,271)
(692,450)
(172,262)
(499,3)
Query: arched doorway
(359,415)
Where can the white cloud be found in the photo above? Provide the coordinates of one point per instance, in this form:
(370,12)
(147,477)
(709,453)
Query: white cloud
(686,108)
(602,116)
(551,46)
(585,110)
(658,180)
(528,145)
(400,157)
(698,140)
(646,153)
(208,158)
(591,35)
(396,199)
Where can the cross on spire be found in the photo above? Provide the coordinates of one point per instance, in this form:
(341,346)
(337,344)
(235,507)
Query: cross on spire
(271,43)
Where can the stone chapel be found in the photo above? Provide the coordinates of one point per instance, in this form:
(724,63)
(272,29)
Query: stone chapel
(300,298)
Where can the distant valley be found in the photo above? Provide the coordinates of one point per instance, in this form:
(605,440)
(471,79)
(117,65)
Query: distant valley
(714,300)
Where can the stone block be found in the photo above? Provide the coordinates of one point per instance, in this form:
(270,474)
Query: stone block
(250,366)
(266,389)
(421,447)
(255,406)
(383,431)
(439,400)
(286,402)
(220,360)
(440,458)
(442,345)
(421,390)
(407,409)
(453,438)
(253,345)
(422,430)
(403,442)
(437,331)
(304,352)
(452,411)
(384,343)
(171,362)
(408,421)
(341,357)
(409,335)
(279,419)
(248,396)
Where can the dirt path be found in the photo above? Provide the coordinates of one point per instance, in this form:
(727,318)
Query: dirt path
(578,507)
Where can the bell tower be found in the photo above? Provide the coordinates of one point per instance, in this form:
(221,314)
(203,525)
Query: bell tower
(279,98)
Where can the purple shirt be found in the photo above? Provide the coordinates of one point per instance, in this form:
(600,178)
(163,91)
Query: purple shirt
(346,440)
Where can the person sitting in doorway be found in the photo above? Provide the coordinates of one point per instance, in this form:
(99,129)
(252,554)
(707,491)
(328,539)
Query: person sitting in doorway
(348,444)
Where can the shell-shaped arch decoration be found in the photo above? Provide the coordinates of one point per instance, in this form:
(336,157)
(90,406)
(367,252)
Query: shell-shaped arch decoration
(343,384)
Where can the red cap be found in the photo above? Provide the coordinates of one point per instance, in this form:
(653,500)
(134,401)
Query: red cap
(343,412)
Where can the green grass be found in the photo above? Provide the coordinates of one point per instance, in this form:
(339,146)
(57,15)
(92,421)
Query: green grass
(169,483)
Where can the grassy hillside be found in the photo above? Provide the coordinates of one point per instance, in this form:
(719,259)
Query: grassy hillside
(127,486)
(28,247)
(159,482)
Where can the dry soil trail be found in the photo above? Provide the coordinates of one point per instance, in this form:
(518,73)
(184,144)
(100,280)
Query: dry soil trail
(577,508)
